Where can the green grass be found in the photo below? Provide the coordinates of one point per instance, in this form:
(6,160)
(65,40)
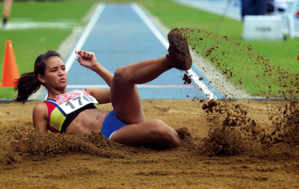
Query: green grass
(49,11)
(28,43)
(281,54)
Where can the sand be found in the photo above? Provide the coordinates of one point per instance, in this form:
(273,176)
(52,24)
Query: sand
(231,144)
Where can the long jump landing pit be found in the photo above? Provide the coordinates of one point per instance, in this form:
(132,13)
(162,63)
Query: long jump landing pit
(236,149)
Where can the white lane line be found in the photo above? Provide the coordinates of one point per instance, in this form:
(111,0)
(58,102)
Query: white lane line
(164,42)
(203,87)
(139,86)
(84,35)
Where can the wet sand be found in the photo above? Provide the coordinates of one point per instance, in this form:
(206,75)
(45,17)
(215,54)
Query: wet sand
(230,145)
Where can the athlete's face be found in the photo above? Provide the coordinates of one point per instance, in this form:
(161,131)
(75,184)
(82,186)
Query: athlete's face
(55,74)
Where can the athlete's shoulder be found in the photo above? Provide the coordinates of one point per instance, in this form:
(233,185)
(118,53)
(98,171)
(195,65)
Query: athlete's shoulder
(41,105)
(40,108)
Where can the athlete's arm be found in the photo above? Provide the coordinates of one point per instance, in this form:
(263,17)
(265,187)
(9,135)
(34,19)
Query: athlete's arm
(40,120)
(102,96)
(88,60)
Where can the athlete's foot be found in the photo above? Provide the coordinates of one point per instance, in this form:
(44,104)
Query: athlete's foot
(4,23)
(178,51)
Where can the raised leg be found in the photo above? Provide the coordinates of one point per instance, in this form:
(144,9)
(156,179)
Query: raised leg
(147,133)
(124,94)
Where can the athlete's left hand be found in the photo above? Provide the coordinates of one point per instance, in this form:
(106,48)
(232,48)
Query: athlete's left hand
(87,59)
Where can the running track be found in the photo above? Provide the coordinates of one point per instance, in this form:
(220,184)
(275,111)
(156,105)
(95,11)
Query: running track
(121,34)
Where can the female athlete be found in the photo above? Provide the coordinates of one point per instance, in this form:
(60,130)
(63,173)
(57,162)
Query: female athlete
(76,112)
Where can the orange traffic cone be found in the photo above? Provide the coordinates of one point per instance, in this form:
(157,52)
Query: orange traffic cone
(10,69)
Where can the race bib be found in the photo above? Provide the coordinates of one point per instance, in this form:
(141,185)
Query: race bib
(74,100)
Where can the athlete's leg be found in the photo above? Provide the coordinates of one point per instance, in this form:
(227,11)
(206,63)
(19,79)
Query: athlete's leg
(124,94)
(149,132)
(6,10)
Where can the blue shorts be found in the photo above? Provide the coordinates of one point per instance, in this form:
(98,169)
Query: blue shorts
(111,124)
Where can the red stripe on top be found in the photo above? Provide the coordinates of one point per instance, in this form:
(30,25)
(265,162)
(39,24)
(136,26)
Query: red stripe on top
(51,107)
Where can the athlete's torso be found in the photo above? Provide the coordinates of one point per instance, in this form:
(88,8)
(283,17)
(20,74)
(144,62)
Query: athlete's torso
(75,112)
(87,121)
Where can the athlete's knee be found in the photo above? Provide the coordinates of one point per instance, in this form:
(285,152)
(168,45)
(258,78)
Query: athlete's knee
(160,130)
(122,73)
(119,73)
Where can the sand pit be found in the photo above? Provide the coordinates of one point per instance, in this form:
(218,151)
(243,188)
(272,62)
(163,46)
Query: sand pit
(230,145)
